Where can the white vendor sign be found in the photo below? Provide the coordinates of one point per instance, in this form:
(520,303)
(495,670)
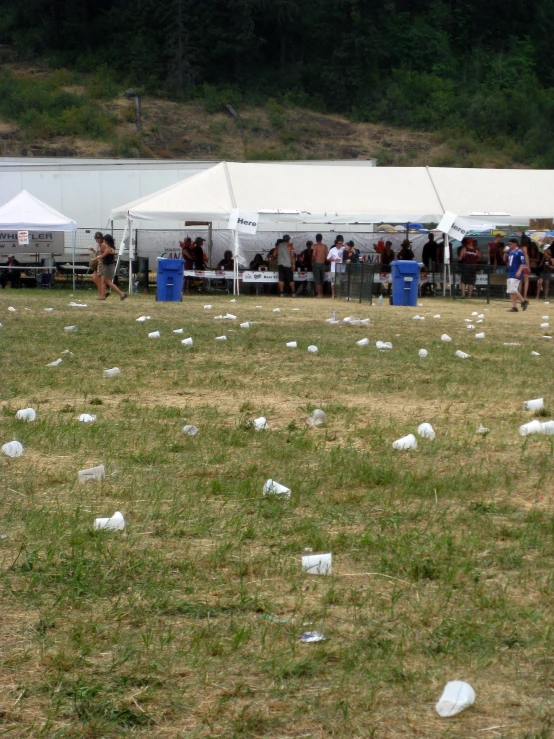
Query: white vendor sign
(245,223)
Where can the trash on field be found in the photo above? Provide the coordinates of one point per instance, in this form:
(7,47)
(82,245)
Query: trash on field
(26,414)
(549,338)
(461,355)
(113,372)
(363,342)
(317,564)
(142,319)
(66,351)
(470,326)
(187,342)
(544,318)
(317,418)
(92,473)
(456,696)
(207,307)
(419,318)
(475,313)
(311,637)
(479,321)
(535,354)
(406,442)
(233,300)
(292,344)
(365,322)
(276,310)
(426,431)
(86,418)
(154,335)
(536,404)
(545,325)
(179,331)
(221,338)
(547,428)
(274,619)
(383,344)
(511,343)
(482,430)
(48,310)
(313,349)
(229,317)
(533,427)
(437,316)
(56,363)
(13,449)
(70,328)
(77,305)
(272,487)
(218,318)
(246,324)
(115,523)
(260,424)
(445,337)
(12,309)
(190,430)
(423,353)
(467,320)
(480,335)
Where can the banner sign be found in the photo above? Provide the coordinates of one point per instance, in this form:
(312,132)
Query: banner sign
(457,227)
(242,222)
(23,238)
(35,243)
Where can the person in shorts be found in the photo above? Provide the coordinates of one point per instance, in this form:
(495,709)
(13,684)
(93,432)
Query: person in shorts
(469,258)
(286,264)
(106,267)
(516,263)
(319,257)
(94,261)
(335,257)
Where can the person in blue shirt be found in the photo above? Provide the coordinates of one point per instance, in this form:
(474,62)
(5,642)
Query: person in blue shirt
(516,263)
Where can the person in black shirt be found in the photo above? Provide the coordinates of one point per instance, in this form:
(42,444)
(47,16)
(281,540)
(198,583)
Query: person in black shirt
(13,276)
(429,255)
(406,252)
(198,254)
(106,267)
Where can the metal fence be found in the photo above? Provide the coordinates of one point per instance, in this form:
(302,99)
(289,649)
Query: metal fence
(355,282)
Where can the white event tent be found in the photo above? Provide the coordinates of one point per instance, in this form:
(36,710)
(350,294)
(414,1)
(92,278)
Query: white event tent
(25,212)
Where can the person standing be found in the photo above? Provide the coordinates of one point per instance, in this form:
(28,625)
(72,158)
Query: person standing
(546,269)
(286,264)
(469,259)
(188,257)
(429,254)
(496,249)
(199,258)
(106,267)
(335,257)
(94,262)
(319,257)
(406,252)
(516,263)
(350,255)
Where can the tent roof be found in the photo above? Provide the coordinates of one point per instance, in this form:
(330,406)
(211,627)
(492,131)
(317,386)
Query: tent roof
(24,212)
(283,193)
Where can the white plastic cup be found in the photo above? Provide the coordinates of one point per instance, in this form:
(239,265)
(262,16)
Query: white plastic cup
(479,321)
(313,349)
(26,414)
(545,325)
(365,322)
(475,313)
(383,344)
(426,431)
(456,696)
(233,300)
(317,564)
(113,372)
(445,337)
(260,424)
(48,310)
(92,473)
(292,344)
(13,449)
(276,310)
(437,316)
(535,354)
(547,428)
(406,442)
(115,523)
(533,427)
(419,318)
(70,328)
(229,317)
(221,338)
(461,355)
(537,404)
(363,342)
(154,335)
(187,342)
(207,307)
(86,418)
(272,487)
(190,430)
(179,331)
(423,353)
(480,335)
(56,363)
(245,325)
(481,316)
(141,319)
(11,309)
(548,338)
(470,326)
(544,318)
(317,418)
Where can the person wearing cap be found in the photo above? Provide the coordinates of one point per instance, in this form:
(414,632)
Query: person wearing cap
(350,255)
(516,263)
(13,276)
(406,252)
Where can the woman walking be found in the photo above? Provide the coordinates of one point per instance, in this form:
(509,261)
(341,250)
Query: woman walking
(106,267)
(94,261)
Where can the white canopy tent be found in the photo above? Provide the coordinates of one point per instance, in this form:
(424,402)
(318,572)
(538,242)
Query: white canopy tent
(24,212)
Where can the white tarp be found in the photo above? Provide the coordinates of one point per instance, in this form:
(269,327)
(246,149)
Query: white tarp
(25,212)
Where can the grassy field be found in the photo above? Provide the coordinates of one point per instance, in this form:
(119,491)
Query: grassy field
(186,624)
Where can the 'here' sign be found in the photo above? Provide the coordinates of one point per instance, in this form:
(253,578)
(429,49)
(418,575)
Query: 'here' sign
(246,223)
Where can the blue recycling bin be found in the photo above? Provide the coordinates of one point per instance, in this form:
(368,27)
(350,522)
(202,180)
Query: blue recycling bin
(169,282)
(405,282)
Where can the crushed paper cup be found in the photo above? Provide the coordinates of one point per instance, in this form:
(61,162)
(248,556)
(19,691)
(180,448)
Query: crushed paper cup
(481,315)
(12,449)
(77,305)
(56,363)
(535,354)
(419,318)
(482,430)
(113,372)
(317,564)
(292,344)
(547,428)
(154,335)
(313,349)
(549,338)
(426,431)
(461,355)
(544,318)
(423,353)
(533,427)
(142,319)
(12,309)
(179,331)
(479,321)
(365,322)
(218,318)
(445,337)
(406,442)
(276,310)
(187,342)
(470,326)
(115,523)
(475,313)
(455,697)
(26,414)
(258,306)
(66,351)
(480,335)
(48,310)
(545,325)
(272,487)
(86,418)
(363,342)
(221,338)
(259,424)
(207,307)
(467,320)
(383,344)
(229,317)
(317,418)
(190,430)
(70,328)
(246,324)
(437,316)
(311,637)
(537,404)
(92,473)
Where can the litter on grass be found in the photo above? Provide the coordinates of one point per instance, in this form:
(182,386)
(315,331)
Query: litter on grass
(246,324)
(154,335)
(317,418)
(70,328)
(221,338)
(406,442)
(533,427)
(292,344)
(26,414)
(260,424)
(536,404)
(317,564)
(423,353)
(311,637)
(86,418)
(383,344)
(535,354)
(480,335)
(445,337)
(190,430)
(313,349)
(92,473)
(187,342)
(179,331)
(482,430)
(114,523)
(426,431)
(461,355)
(13,449)
(363,342)
(272,487)
(56,363)
(113,372)
(455,697)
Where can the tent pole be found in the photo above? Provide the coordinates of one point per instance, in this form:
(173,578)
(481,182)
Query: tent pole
(210,244)
(446,266)
(73,255)
(236,265)
(129,226)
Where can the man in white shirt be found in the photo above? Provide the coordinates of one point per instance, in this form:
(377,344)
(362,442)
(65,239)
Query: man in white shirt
(335,257)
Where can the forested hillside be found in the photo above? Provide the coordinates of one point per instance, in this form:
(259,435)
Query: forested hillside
(475,71)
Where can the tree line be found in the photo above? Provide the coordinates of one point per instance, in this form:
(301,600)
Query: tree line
(479,70)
